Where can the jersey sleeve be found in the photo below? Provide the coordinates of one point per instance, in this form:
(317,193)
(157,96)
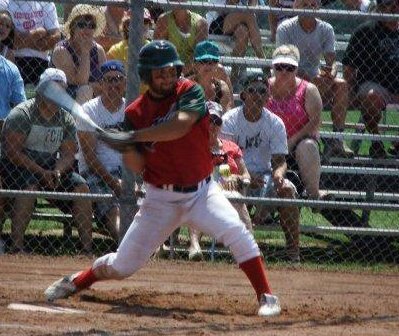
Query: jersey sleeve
(193,100)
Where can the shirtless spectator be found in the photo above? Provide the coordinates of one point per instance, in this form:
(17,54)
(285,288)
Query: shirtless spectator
(211,75)
(315,39)
(242,26)
(80,56)
(371,67)
(184,29)
(36,32)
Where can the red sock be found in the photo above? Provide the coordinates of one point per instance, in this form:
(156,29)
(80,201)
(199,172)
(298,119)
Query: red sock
(256,273)
(85,279)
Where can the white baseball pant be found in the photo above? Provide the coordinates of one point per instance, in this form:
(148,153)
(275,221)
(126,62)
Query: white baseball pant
(161,212)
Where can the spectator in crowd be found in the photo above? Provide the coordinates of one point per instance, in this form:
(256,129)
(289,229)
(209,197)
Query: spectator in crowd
(113,20)
(12,90)
(80,56)
(261,136)
(242,26)
(99,164)
(36,32)
(184,29)
(276,19)
(211,75)
(235,178)
(298,103)
(34,135)
(6,35)
(119,51)
(315,38)
(371,66)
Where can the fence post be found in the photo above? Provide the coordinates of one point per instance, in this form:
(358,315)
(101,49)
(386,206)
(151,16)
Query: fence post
(128,199)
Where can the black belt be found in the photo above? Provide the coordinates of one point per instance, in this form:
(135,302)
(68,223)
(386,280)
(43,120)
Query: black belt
(184,189)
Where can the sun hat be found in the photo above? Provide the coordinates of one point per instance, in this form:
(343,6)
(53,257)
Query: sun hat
(81,10)
(53,74)
(206,50)
(285,59)
(286,54)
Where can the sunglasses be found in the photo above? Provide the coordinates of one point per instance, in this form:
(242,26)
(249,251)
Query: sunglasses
(260,90)
(216,121)
(286,67)
(113,79)
(86,24)
(208,62)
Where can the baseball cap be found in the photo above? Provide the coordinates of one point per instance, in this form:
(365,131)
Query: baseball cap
(53,74)
(206,50)
(215,109)
(112,65)
(285,59)
(254,77)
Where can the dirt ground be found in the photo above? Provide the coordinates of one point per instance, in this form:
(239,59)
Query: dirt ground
(182,298)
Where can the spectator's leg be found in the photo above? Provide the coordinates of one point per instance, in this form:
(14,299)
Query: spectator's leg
(241,37)
(308,159)
(194,251)
(373,101)
(289,221)
(336,88)
(82,214)
(20,218)
(242,210)
(234,20)
(112,222)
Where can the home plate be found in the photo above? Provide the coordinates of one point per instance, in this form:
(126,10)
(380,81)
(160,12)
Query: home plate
(44,309)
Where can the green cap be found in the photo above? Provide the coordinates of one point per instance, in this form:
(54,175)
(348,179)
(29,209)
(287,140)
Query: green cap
(206,50)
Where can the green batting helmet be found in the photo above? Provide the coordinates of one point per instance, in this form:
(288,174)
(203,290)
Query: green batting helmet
(156,55)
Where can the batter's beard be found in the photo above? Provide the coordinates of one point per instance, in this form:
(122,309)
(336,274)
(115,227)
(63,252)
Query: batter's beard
(163,93)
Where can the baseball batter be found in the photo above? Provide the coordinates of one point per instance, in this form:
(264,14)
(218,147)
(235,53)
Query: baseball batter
(171,150)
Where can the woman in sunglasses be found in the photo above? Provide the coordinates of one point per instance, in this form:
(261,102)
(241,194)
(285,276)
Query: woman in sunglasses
(298,103)
(79,56)
(230,171)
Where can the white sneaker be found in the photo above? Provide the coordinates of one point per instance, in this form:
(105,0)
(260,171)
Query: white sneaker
(61,289)
(269,305)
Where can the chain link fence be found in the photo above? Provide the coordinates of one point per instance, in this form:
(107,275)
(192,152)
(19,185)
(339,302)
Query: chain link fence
(328,71)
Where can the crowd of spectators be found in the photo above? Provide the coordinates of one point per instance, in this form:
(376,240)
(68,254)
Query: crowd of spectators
(291,100)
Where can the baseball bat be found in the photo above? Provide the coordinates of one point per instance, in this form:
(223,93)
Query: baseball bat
(55,93)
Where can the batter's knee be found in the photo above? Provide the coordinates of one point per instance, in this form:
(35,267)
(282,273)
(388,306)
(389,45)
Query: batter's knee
(241,243)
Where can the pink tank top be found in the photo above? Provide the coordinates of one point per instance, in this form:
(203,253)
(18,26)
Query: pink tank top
(292,110)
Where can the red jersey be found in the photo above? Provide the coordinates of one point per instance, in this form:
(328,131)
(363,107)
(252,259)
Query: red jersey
(184,161)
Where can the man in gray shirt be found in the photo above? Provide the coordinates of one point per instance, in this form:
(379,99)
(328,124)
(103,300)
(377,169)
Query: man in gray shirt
(315,39)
